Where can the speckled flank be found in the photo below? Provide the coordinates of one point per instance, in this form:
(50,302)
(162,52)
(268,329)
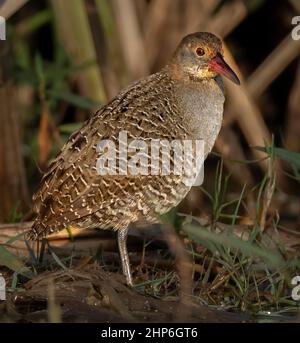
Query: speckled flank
(179,102)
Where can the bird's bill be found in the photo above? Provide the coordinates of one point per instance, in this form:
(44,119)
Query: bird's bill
(218,65)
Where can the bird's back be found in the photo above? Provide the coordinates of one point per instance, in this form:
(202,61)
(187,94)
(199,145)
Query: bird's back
(73,193)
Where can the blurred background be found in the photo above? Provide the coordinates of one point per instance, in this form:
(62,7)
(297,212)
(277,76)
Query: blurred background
(64,59)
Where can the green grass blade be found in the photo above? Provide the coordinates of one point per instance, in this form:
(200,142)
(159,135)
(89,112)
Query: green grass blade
(13,263)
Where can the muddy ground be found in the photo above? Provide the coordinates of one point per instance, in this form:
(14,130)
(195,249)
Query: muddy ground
(91,295)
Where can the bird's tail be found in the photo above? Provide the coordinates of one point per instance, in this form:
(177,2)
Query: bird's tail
(37,230)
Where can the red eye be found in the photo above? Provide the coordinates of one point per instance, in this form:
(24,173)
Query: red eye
(200,51)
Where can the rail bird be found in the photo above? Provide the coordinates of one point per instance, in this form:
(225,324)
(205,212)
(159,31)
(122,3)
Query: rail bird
(183,101)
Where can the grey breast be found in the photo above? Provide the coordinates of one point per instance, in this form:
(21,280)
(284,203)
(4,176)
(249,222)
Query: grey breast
(202,104)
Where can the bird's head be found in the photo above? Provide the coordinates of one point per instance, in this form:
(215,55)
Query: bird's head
(200,55)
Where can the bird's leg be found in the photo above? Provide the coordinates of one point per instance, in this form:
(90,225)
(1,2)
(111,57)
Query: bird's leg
(122,239)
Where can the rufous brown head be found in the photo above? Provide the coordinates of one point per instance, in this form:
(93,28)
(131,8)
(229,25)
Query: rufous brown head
(200,55)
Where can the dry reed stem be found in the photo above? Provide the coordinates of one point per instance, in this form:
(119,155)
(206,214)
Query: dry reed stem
(75,35)
(154,25)
(110,80)
(8,8)
(184,266)
(273,66)
(53,310)
(89,241)
(13,186)
(292,129)
(130,38)
(246,112)
(267,194)
(227,18)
